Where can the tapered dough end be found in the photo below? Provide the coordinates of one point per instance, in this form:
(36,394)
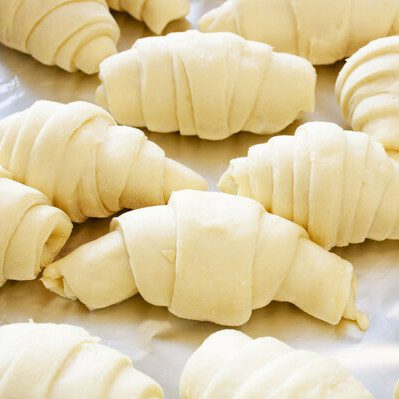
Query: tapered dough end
(5,173)
(97,273)
(41,235)
(179,177)
(101,97)
(352,313)
(158,13)
(54,281)
(92,53)
(392,154)
(220,19)
(322,284)
(131,383)
(227,184)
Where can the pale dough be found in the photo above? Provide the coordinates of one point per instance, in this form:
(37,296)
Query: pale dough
(31,231)
(85,164)
(59,361)
(207,256)
(339,185)
(72,34)
(211,85)
(156,14)
(323,31)
(231,365)
(367,90)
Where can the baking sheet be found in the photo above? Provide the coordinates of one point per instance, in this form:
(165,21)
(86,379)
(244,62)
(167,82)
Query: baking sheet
(160,343)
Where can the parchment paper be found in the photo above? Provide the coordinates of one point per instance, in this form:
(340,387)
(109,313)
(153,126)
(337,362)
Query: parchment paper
(160,343)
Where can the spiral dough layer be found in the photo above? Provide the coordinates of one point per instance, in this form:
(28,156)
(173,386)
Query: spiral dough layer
(367,90)
(31,231)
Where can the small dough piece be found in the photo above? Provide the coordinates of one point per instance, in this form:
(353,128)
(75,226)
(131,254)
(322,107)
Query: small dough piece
(207,256)
(231,365)
(322,31)
(59,361)
(86,165)
(72,34)
(32,232)
(338,185)
(156,14)
(207,84)
(367,91)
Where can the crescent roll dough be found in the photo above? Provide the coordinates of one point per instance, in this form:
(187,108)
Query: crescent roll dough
(339,185)
(72,34)
(156,14)
(59,361)
(207,256)
(211,85)
(85,164)
(229,364)
(323,31)
(368,91)
(31,231)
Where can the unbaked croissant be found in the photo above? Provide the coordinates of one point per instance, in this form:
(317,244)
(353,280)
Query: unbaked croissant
(85,164)
(59,361)
(73,34)
(211,85)
(229,364)
(207,256)
(340,186)
(368,91)
(156,14)
(323,31)
(31,231)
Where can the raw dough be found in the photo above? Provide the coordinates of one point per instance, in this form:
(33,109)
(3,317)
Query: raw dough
(156,14)
(73,34)
(85,164)
(339,185)
(207,256)
(31,231)
(367,90)
(323,31)
(207,84)
(229,364)
(59,361)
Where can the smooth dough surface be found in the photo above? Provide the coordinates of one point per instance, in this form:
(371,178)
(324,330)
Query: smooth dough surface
(367,91)
(339,185)
(208,256)
(32,232)
(323,31)
(231,365)
(210,85)
(72,34)
(156,14)
(85,164)
(59,361)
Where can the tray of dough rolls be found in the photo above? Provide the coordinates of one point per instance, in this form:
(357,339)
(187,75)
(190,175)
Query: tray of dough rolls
(158,342)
